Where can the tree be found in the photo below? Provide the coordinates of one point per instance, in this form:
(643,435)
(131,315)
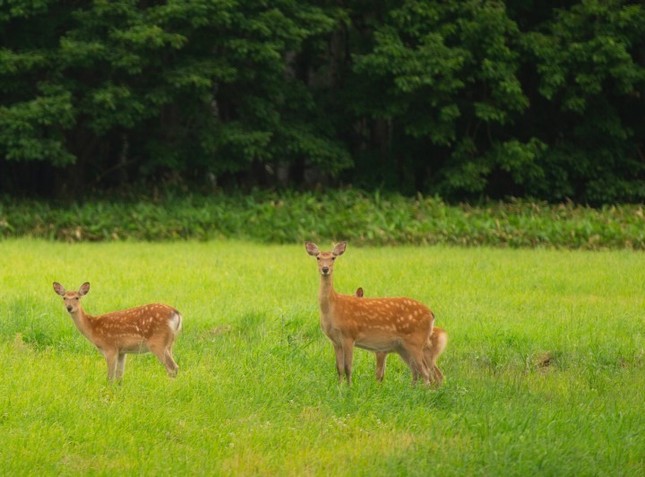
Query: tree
(473,104)
(463,99)
(589,65)
(125,90)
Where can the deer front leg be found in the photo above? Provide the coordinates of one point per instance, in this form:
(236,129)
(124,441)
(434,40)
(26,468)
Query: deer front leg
(348,352)
(340,361)
(120,365)
(111,360)
(380,365)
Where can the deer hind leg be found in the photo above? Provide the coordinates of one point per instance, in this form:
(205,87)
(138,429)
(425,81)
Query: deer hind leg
(438,375)
(431,355)
(436,345)
(429,360)
(380,365)
(170,363)
(164,354)
(406,358)
(416,360)
(120,365)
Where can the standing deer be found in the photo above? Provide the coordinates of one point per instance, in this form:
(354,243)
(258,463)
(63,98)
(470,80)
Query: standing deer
(148,328)
(436,345)
(400,325)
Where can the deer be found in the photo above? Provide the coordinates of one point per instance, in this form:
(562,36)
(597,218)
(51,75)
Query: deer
(435,346)
(148,328)
(383,325)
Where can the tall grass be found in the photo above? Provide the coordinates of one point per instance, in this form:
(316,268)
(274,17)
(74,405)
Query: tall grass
(368,219)
(544,366)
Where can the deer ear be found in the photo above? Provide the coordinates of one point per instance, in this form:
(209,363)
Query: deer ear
(58,288)
(85,289)
(339,249)
(312,249)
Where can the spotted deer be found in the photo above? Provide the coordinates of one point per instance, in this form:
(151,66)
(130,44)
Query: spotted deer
(399,325)
(148,328)
(436,345)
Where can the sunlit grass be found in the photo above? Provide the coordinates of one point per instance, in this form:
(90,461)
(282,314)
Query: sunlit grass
(544,366)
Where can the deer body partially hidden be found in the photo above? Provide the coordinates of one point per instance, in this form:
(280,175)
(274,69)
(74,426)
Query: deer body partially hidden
(149,328)
(399,325)
(435,346)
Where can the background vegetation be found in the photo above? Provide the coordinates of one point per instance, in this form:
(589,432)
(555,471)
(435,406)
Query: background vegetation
(544,368)
(288,217)
(460,99)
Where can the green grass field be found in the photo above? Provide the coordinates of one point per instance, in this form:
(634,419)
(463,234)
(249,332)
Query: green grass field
(544,367)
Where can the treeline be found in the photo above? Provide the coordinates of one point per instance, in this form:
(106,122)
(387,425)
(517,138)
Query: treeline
(462,99)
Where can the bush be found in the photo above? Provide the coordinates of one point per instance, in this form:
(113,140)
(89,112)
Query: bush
(362,218)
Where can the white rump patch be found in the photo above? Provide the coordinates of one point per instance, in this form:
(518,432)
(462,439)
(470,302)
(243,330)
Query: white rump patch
(175,322)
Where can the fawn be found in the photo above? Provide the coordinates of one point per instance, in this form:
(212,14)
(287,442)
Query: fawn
(436,345)
(400,325)
(149,328)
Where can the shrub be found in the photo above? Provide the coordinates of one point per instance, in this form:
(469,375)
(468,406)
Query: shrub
(364,219)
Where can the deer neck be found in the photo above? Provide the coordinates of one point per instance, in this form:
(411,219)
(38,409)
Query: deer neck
(326,296)
(83,322)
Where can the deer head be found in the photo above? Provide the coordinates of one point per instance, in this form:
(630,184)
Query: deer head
(325,259)
(72,299)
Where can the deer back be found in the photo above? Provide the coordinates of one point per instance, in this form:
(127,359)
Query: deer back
(128,329)
(400,316)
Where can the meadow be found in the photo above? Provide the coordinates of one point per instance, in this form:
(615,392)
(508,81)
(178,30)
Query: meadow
(544,365)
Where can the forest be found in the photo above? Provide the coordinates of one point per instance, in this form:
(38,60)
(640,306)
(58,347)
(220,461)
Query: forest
(461,100)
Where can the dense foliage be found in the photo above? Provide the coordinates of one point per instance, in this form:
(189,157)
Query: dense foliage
(461,99)
(378,219)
